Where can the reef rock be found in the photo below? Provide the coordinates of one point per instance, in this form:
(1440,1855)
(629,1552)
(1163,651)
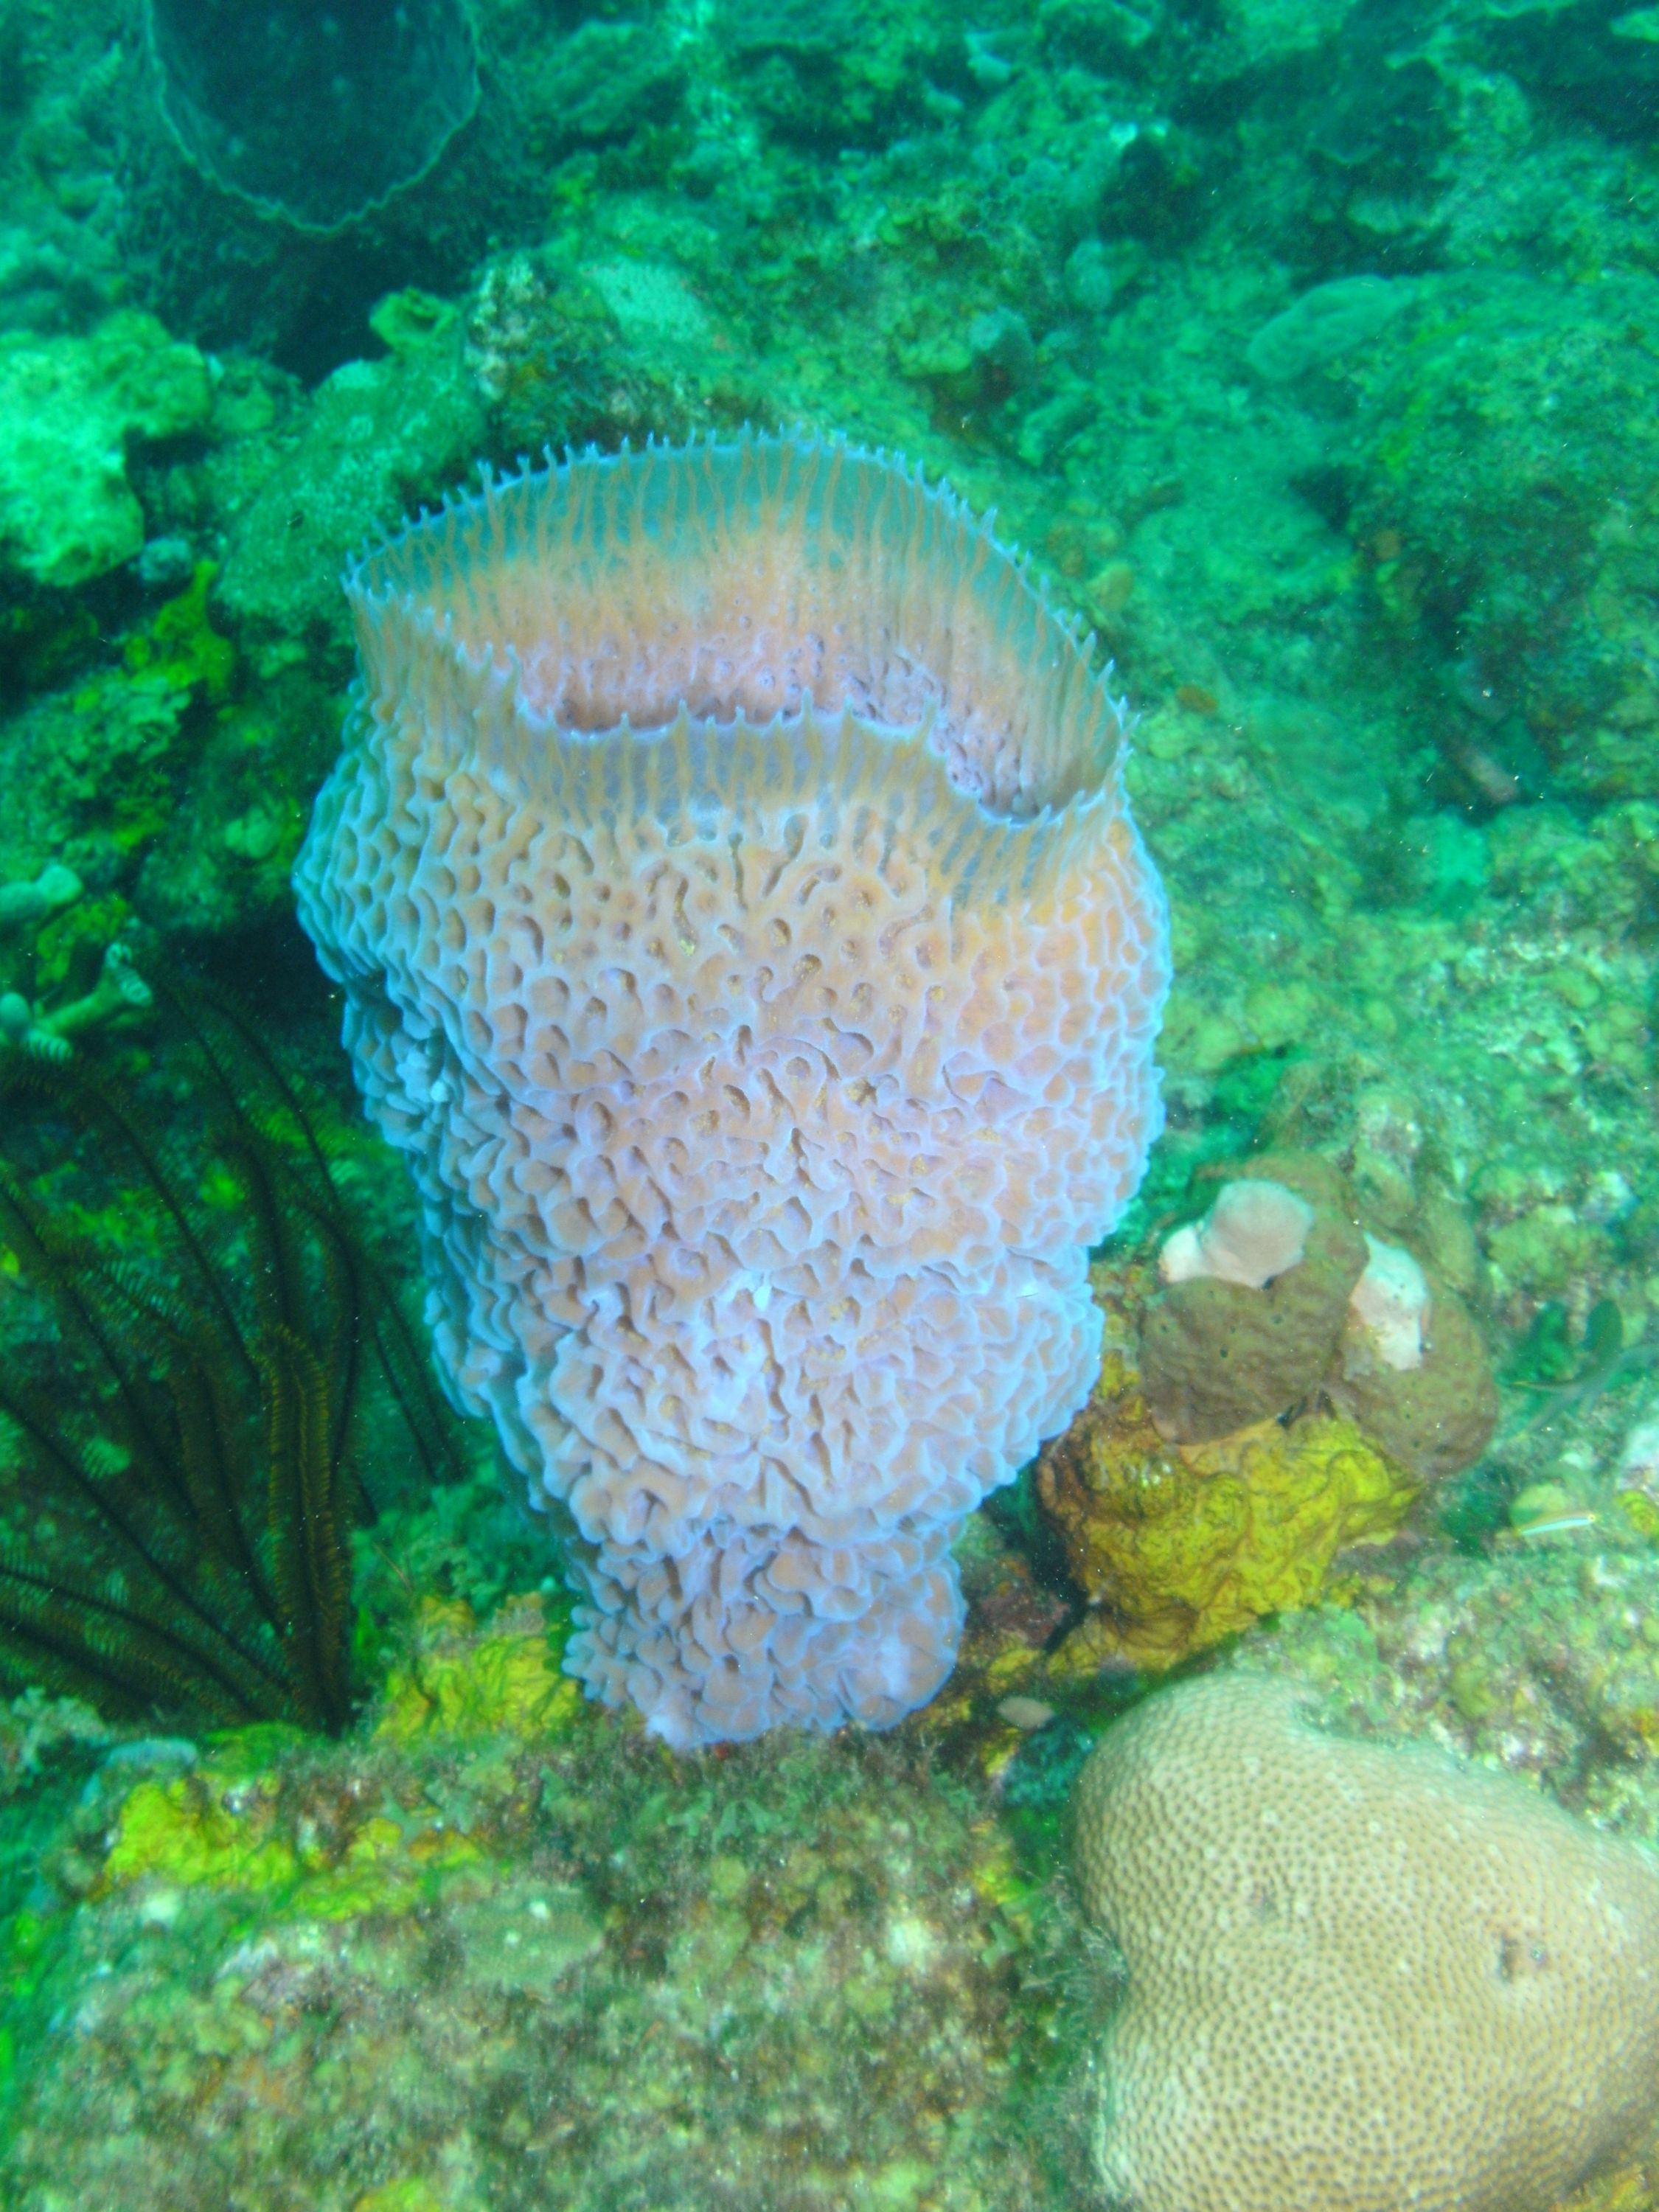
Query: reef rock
(68,408)
(372,434)
(744,937)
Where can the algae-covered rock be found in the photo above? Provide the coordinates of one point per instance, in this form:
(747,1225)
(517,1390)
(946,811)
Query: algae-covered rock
(70,407)
(504,1682)
(626,1978)
(833,71)
(602,81)
(378,437)
(1322,325)
(1503,425)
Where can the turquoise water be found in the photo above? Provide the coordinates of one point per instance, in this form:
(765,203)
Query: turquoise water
(602,1410)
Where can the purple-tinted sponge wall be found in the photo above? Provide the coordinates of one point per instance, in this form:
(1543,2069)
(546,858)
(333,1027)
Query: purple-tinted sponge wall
(744,937)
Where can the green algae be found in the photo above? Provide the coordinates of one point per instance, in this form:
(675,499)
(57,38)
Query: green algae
(230,1823)
(181,644)
(507,1682)
(181,1831)
(220,1828)
(409,2194)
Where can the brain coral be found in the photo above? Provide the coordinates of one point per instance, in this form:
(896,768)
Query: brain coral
(1360,1978)
(744,935)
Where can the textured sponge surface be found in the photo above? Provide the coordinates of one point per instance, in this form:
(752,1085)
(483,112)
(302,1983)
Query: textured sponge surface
(1361,1978)
(764,1081)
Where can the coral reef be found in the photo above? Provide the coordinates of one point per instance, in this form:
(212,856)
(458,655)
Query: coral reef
(1311,351)
(766,1006)
(1356,1976)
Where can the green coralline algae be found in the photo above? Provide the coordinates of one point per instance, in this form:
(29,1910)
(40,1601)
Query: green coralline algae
(68,409)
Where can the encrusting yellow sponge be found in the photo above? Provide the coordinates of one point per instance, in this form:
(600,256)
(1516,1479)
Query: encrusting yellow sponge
(744,937)
(1180,1546)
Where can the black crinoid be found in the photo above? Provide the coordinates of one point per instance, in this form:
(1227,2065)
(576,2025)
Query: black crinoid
(195,1351)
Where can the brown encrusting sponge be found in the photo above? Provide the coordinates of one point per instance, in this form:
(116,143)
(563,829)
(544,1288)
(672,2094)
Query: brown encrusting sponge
(1217,1354)
(1360,1977)
(744,936)
(1280,1294)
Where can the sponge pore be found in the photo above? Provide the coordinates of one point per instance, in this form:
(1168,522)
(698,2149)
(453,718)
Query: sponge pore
(744,937)
(1360,1977)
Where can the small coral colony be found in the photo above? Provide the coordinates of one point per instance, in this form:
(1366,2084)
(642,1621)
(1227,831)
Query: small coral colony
(758,1502)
